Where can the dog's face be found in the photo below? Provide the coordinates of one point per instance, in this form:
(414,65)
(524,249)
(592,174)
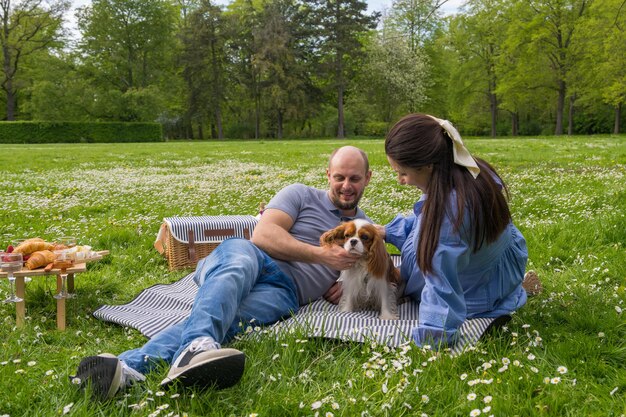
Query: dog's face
(352,236)
(359,237)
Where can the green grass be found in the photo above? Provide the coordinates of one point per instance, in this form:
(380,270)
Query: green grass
(568,197)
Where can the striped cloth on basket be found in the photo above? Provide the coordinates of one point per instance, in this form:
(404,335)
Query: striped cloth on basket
(180,227)
(162,305)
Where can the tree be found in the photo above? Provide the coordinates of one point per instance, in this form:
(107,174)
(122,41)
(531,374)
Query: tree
(394,77)
(204,60)
(27,26)
(280,60)
(521,73)
(338,27)
(420,26)
(477,38)
(415,19)
(604,61)
(127,42)
(56,90)
(485,25)
(245,71)
(548,29)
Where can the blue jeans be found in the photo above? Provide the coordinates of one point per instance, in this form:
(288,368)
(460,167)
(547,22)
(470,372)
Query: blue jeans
(237,283)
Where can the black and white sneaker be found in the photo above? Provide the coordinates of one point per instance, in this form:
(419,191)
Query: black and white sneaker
(105,375)
(204,364)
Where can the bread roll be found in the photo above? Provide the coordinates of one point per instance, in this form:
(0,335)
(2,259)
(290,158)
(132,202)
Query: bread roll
(39,259)
(32,245)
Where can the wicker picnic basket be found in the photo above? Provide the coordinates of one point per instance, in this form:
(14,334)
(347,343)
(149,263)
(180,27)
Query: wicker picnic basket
(185,240)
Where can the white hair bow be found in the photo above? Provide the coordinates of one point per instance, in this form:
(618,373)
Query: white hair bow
(459,151)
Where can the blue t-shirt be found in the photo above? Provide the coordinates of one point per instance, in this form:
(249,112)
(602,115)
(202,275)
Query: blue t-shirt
(313,213)
(463,284)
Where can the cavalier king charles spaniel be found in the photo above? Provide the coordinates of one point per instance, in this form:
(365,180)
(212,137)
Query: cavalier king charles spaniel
(372,282)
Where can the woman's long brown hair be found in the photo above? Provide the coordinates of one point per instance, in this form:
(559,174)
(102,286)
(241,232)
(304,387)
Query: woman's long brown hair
(417,140)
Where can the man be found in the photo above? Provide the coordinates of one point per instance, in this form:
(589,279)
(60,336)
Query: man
(264,280)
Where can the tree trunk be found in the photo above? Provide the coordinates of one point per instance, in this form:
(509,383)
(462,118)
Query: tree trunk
(514,124)
(257,116)
(493,107)
(560,107)
(218,121)
(279,132)
(340,90)
(144,70)
(217,88)
(618,117)
(570,115)
(129,61)
(340,127)
(200,131)
(10,100)
(7,84)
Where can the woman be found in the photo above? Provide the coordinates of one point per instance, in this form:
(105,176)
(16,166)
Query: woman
(461,255)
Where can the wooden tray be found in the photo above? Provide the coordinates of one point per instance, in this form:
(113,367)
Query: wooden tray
(78,267)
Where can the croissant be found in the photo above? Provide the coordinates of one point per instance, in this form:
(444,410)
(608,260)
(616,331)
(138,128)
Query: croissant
(39,259)
(32,245)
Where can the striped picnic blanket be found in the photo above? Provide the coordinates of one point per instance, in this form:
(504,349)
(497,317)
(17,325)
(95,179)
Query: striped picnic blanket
(162,305)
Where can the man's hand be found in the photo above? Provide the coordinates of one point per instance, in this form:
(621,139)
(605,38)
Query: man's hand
(333,295)
(337,257)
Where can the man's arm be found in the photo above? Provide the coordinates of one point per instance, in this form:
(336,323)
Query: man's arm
(272,235)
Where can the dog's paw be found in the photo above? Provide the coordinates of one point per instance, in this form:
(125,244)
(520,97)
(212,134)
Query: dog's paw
(388,316)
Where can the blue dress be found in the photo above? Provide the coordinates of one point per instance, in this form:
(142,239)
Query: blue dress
(463,284)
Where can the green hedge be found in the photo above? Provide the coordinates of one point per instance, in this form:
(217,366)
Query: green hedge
(77,132)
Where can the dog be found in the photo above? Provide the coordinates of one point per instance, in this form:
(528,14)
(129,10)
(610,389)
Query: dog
(373,281)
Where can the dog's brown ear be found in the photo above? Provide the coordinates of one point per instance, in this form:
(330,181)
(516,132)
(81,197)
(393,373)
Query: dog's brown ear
(377,257)
(393,273)
(333,236)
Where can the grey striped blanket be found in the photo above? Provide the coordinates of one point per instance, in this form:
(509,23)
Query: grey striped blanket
(162,305)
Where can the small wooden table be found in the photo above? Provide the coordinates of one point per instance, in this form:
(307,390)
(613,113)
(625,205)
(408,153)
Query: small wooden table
(20,307)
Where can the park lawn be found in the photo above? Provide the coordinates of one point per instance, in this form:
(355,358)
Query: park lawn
(564,353)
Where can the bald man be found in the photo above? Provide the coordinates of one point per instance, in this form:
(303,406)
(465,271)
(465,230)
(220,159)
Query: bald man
(261,281)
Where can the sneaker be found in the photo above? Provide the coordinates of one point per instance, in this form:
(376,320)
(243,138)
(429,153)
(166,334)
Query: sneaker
(105,374)
(204,364)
